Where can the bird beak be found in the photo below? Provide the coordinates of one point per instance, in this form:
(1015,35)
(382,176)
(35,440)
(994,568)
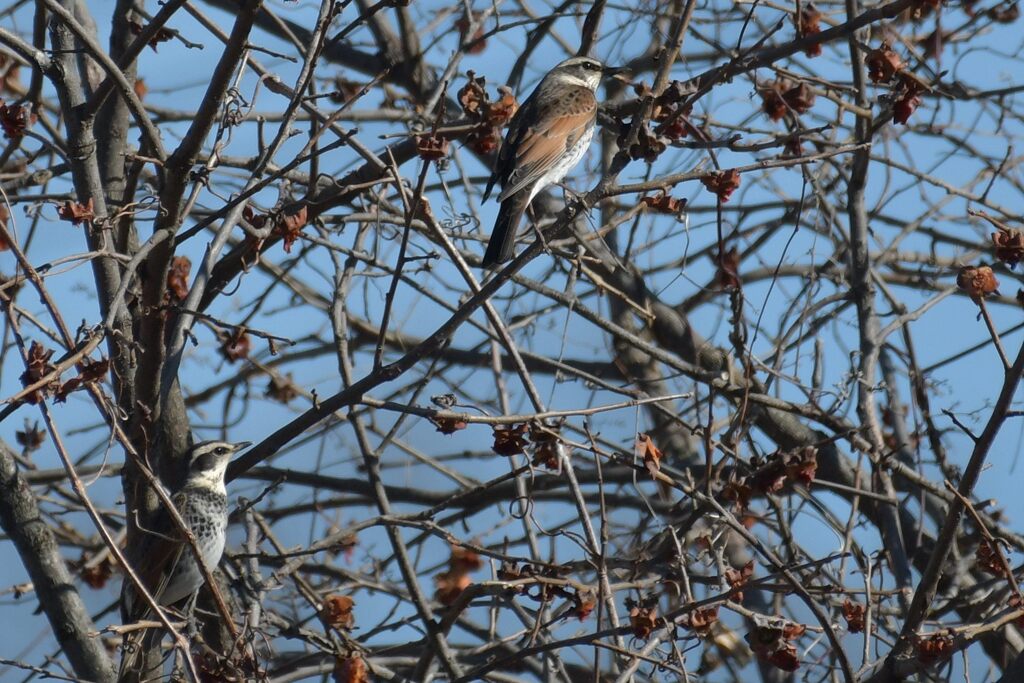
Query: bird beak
(610,71)
(241,445)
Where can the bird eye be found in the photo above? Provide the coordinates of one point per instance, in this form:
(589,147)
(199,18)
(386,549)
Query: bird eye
(220,450)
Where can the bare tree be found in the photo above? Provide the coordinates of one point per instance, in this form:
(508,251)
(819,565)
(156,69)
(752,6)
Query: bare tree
(731,413)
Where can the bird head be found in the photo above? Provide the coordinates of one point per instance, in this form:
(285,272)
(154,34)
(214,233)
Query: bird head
(207,462)
(585,71)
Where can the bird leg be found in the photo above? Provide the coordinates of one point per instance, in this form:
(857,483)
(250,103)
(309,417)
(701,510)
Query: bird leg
(536,228)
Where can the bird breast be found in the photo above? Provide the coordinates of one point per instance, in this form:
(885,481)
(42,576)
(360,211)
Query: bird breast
(566,163)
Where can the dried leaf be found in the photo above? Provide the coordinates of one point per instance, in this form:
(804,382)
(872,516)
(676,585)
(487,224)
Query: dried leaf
(15,119)
(509,441)
(722,183)
(431,147)
(977,282)
(31,438)
(883,63)
(336,612)
(448,425)
(351,669)
(809,24)
(236,345)
(281,389)
(177,278)
(650,453)
(854,615)
(643,620)
(289,226)
(38,366)
(75,212)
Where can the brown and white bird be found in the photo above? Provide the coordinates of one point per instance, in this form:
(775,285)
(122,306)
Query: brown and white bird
(162,557)
(546,138)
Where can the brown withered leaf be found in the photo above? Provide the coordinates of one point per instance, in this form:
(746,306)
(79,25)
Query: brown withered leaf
(664,203)
(737,491)
(509,441)
(484,139)
(737,578)
(728,274)
(769,640)
(76,213)
(883,63)
(977,282)
(256,220)
(89,371)
(336,612)
(908,100)
(772,103)
(38,366)
(547,447)
(643,621)
(1009,246)
(235,345)
(500,112)
(650,453)
(431,147)
(448,424)
(800,98)
(140,88)
(988,559)
(351,669)
(648,146)
(809,24)
(289,226)
(177,278)
(722,183)
(701,620)
(464,560)
(854,615)
(473,96)
(282,388)
(934,648)
(15,119)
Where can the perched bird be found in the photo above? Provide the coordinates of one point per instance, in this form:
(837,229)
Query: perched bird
(163,559)
(546,138)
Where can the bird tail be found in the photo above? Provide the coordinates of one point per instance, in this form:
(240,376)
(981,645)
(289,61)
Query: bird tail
(501,246)
(135,648)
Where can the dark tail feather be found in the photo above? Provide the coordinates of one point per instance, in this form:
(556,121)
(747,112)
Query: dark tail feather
(503,238)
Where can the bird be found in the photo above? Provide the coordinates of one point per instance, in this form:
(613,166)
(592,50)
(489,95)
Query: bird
(546,138)
(165,563)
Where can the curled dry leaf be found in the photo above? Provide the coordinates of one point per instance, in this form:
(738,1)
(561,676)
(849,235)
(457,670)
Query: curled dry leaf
(431,147)
(854,615)
(509,441)
(289,226)
(802,465)
(15,119)
(883,63)
(350,669)
(89,372)
(664,203)
(737,491)
(1009,246)
(988,559)
(977,282)
(282,389)
(177,278)
(701,620)
(728,274)
(907,101)
(448,424)
(934,648)
(547,446)
(648,146)
(473,96)
(770,641)
(650,453)
(643,621)
(336,612)
(236,345)
(38,366)
(76,213)
(722,183)
(808,23)
(737,578)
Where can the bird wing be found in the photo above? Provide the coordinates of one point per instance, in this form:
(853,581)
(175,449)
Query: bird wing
(159,551)
(538,147)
